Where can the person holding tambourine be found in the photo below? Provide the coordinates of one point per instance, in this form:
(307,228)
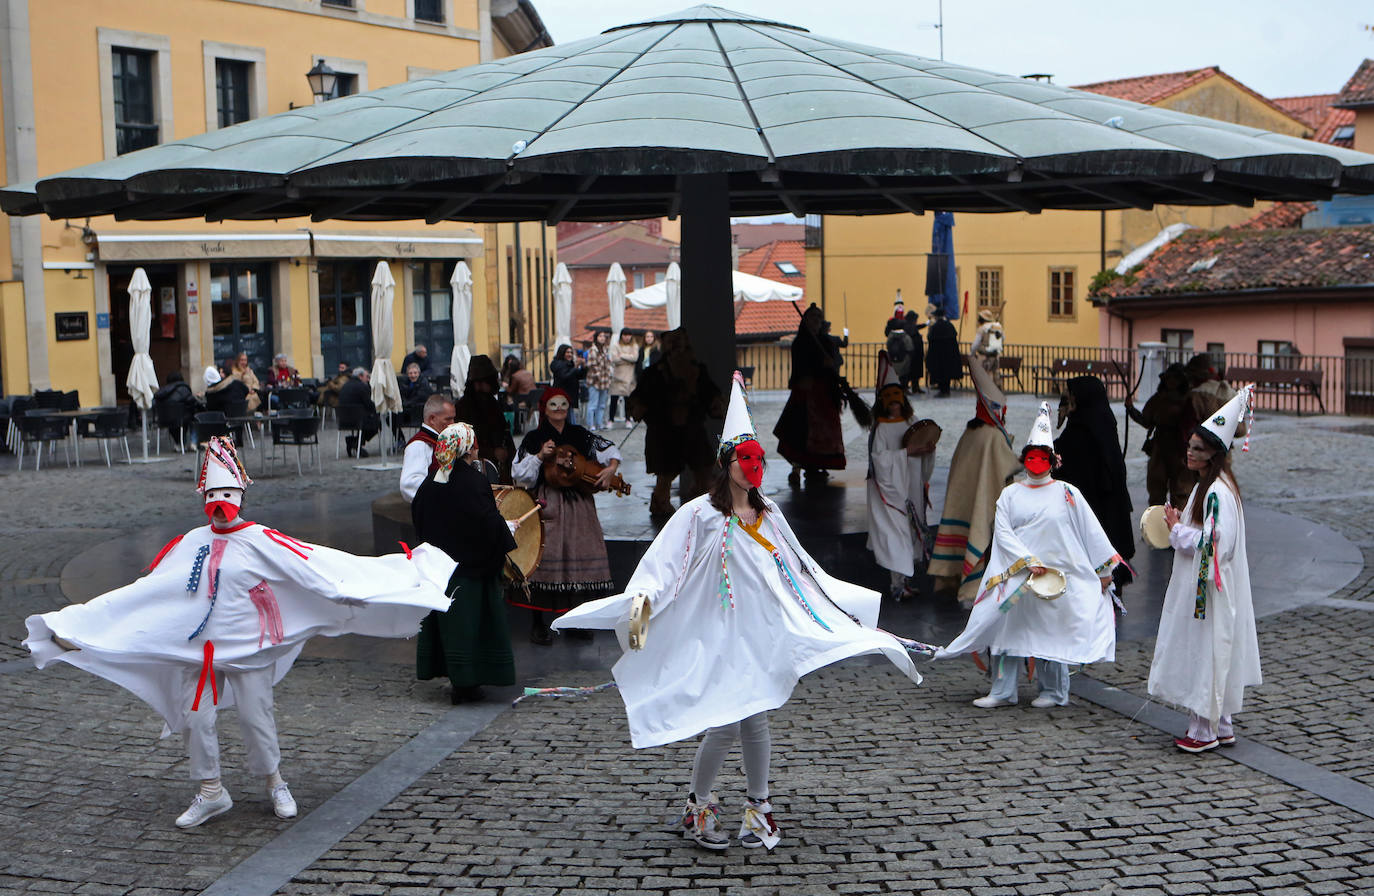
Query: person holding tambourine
(1044,592)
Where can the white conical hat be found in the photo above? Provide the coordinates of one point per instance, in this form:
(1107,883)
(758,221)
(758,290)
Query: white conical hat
(739,423)
(1222,425)
(887,374)
(220,466)
(1042,434)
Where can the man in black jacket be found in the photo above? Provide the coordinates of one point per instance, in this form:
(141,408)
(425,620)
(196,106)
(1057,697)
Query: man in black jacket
(357,393)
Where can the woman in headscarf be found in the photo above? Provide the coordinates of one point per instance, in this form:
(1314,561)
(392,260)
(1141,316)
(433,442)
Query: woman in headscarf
(454,510)
(1090,458)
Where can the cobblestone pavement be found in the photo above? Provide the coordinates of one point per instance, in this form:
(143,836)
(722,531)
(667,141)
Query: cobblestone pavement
(914,791)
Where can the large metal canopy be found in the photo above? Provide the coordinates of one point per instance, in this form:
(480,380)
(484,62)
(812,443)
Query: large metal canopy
(615,126)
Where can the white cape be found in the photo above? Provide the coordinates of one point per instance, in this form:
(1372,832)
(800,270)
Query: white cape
(1045,525)
(898,480)
(707,663)
(1204,665)
(140,636)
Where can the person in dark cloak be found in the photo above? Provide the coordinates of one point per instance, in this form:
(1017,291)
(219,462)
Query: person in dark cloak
(808,431)
(918,354)
(674,397)
(482,409)
(942,355)
(454,510)
(1089,450)
(574,567)
(1167,477)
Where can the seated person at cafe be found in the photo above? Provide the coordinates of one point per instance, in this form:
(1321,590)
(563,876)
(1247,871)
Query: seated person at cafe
(176,392)
(223,393)
(329,390)
(357,393)
(283,375)
(418,355)
(244,373)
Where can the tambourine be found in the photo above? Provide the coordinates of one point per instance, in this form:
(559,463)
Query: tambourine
(1153,528)
(923,434)
(1050,584)
(639,621)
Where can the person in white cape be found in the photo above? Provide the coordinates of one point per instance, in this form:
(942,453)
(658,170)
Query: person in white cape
(899,469)
(1207,651)
(1042,529)
(220,617)
(740,612)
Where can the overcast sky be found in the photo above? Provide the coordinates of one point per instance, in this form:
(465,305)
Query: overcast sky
(1277,48)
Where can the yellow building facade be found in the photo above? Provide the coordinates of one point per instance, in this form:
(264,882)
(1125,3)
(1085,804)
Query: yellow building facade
(85,80)
(1033,271)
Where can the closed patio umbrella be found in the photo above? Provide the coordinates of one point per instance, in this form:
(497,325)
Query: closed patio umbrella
(562,306)
(942,287)
(386,393)
(142,379)
(615,297)
(672,285)
(461,285)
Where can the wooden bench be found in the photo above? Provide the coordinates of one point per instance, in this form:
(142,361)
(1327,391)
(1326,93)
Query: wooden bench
(1057,375)
(1298,384)
(1008,368)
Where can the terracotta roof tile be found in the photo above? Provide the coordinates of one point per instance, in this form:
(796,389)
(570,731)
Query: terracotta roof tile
(1280,215)
(625,243)
(754,321)
(1335,120)
(1312,110)
(1149,89)
(750,236)
(1359,90)
(1242,259)
(763,261)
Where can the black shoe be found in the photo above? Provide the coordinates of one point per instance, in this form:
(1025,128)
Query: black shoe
(542,639)
(362,452)
(462,695)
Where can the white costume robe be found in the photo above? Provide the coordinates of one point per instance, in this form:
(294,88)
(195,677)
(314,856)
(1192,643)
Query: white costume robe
(1204,665)
(895,488)
(274,593)
(1043,525)
(720,647)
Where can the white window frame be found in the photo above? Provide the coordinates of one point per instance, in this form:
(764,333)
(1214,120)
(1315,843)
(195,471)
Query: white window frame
(160,45)
(356,67)
(257,82)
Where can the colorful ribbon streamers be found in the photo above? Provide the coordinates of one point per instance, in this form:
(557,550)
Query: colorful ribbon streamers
(583,692)
(269,613)
(207,670)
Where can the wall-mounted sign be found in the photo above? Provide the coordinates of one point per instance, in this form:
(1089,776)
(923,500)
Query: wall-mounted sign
(72,325)
(102,320)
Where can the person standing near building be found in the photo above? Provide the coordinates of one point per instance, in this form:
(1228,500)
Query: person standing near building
(808,430)
(417,461)
(600,375)
(624,354)
(482,409)
(566,372)
(942,354)
(1207,651)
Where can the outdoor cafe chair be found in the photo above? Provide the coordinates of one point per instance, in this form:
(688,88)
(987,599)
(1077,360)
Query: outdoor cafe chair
(294,399)
(350,421)
(39,429)
(214,423)
(169,415)
(18,405)
(299,432)
(112,423)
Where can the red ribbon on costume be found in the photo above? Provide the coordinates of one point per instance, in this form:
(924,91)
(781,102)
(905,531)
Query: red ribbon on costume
(166,549)
(293,545)
(405,547)
(207,670)
(269,613)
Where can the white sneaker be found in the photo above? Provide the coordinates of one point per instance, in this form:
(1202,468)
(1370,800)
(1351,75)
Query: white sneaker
(991,702)
(700,823)
(1044,701)
(202,810)
(758,828)
(282,803)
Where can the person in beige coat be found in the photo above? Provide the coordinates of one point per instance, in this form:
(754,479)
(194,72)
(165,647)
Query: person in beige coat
(623,356)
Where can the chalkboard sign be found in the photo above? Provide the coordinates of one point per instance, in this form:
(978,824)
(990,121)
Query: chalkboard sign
(72,325)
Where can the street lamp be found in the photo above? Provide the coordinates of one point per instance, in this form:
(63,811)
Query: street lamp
(322,79)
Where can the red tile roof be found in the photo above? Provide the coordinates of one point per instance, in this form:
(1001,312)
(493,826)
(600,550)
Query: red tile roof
(625,243)
(750,236)
(1152,89)
(754,321)
(1281,215)
(763,261)
(1335,120)
(1310,109)
(1239,259)
(1359,90)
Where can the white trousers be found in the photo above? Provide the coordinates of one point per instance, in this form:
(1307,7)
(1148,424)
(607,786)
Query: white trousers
(755,740)
(253,700)
(1006,670)
(1201,729)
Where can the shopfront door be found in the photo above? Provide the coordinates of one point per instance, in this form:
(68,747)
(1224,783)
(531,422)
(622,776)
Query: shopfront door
(345,313)
(241,302)
(165,345)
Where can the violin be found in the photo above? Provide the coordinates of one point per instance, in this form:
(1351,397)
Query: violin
(569,468)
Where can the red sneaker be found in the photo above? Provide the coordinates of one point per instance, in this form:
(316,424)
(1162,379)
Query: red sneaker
(1227,740)
(1189,745)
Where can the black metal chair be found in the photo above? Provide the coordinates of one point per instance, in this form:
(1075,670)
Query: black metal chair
(350,419)
(112,423)
(36,427)
(18,405)
(299,432)
(209,424)
(294,399)
(171,416)
(49,399)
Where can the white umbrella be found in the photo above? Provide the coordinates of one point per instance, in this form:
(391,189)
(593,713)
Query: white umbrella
(747,287)
(142,380)
(672,288)
(461,285)
(615,295)
(562,306)
(386,394)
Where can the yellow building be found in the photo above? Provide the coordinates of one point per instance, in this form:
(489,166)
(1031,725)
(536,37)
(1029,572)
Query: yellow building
(1032,270)
(87,80)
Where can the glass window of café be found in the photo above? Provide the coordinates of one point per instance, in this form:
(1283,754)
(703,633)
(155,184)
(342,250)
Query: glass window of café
(346,313)
(241,306)
(432,303)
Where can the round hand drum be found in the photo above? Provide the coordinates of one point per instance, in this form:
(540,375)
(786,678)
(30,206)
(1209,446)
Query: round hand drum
(1153,528)
(924,434)
(515,503)
(1050,584)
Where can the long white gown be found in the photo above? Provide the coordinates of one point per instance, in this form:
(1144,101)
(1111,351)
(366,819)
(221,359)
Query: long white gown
(729,635)
(896,488)
(274,593)
(1204,665)
(1043,525)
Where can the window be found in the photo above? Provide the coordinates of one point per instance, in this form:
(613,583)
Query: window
(1344,132)
(1061,293)
(1277,353)
(241,308)
(345,84)
(660,276)
(990,289)
(429,11)
(342,4)
(134,112)
(345,288)
(639,279)
(787,268)
(1178,345)
(432,303)
(1217,352)
(231,91)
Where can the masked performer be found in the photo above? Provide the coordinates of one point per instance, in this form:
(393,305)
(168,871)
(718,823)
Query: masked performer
(808,430)
(454,510)
(1207,652)
(1041,525)
(739,613)
(674,397)
(480,408)
(574,566)
(899,468)
(222,616)
(981,467)
(1090,459)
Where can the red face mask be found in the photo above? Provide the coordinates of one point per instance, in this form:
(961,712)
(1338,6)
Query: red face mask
(226,500)
(1037,463)
(750,457)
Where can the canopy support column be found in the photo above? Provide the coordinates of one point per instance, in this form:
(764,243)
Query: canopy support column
(708,306)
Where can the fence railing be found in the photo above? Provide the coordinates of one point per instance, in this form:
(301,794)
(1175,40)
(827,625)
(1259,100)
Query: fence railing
(1333,383)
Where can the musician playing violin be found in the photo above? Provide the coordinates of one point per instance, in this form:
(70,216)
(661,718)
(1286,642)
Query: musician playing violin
(574,567)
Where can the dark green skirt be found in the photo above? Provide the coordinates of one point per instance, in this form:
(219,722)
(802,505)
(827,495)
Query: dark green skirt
(471,642)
